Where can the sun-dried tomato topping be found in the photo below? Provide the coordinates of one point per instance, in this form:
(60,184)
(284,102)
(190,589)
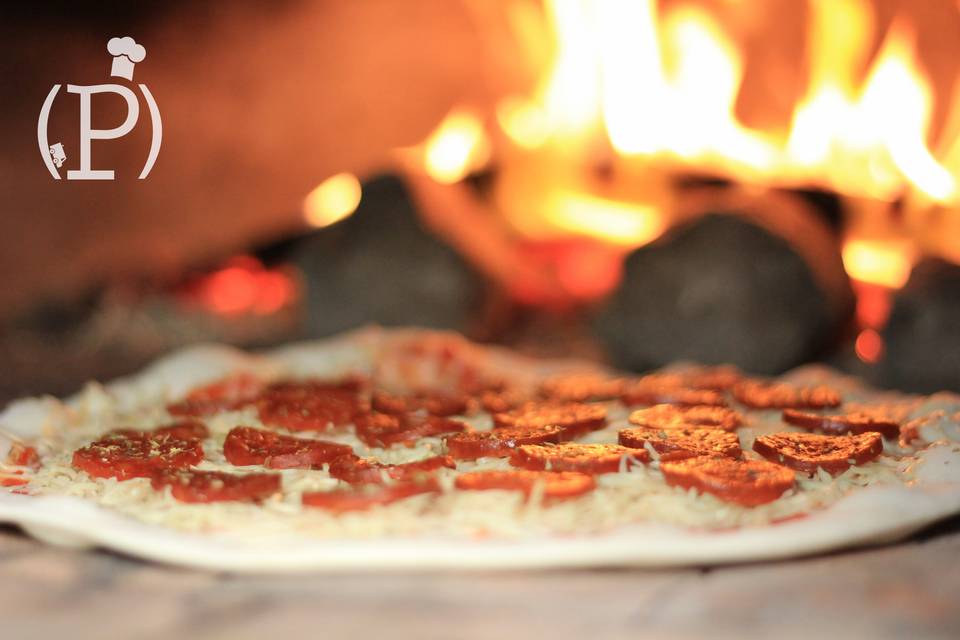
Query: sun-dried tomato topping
(656,389)
(499,443)
(247,446)
(670,416)
(580,387)
(228,394)
(367,496)
(574,456)
(356,470)
(575,418)
(13,481)
(386,430)
(758,394)
(807,451)
(838,425)
(190,485)
(183,430)
(677,444)
(434,403)
(124,457)
(556,485)
(311,405)
(22,455)
(745,482)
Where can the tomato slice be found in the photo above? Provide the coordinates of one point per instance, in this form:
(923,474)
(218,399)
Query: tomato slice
(808,451)
(193,486)
(557,485)
(124,457)
(248,446)
(498,443)
(356,470)
(668,416)
(676,444)
(368,496)
(386,430)
(745,482)
(855,423)
(573,456)
(575,418)
(758,394)
(228,394)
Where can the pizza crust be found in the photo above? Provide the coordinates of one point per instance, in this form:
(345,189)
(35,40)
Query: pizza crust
(871,515)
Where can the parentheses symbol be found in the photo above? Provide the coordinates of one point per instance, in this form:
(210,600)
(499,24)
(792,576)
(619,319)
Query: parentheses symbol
(42,132)
(157,125)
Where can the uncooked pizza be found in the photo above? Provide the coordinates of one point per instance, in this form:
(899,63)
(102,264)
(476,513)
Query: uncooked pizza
(402,440)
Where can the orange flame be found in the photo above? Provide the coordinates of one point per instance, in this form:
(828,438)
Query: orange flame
(667,85)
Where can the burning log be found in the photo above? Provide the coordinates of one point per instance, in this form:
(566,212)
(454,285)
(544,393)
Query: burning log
(757,282)
(382,266)
(923,331)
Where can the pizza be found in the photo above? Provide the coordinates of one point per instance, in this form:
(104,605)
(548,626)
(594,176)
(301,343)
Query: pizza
(384,448)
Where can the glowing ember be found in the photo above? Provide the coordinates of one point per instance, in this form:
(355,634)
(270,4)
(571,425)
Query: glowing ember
(869,346)
(333,200)
(243,285)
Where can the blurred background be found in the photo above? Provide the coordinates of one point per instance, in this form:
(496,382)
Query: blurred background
(766,183)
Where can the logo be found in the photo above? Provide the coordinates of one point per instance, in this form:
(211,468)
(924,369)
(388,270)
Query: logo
(126,53)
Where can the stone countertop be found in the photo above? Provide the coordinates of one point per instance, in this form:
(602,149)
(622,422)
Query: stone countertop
(908,590)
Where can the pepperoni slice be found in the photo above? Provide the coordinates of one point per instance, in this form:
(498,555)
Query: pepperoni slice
(807,451)
(556,485)
(499,443)
(580,387)
(575,418)
(745,482)
(311,405)
(677,444)
(669,416)
(124,457)
(356,470)
(385,430)
(651,390)
(574,456)
(228,394)
(21,455)
(855,423)
(434,403)
(361,499)
(720,378)
(758,394)
(502,400)
(195,486)
(183,430)
(247,446)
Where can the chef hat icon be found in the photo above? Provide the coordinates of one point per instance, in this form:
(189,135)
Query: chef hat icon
(125,52)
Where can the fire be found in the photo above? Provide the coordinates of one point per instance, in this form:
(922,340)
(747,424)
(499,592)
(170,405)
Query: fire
(457,146)
(333,200)
(667,86)
(875,262)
